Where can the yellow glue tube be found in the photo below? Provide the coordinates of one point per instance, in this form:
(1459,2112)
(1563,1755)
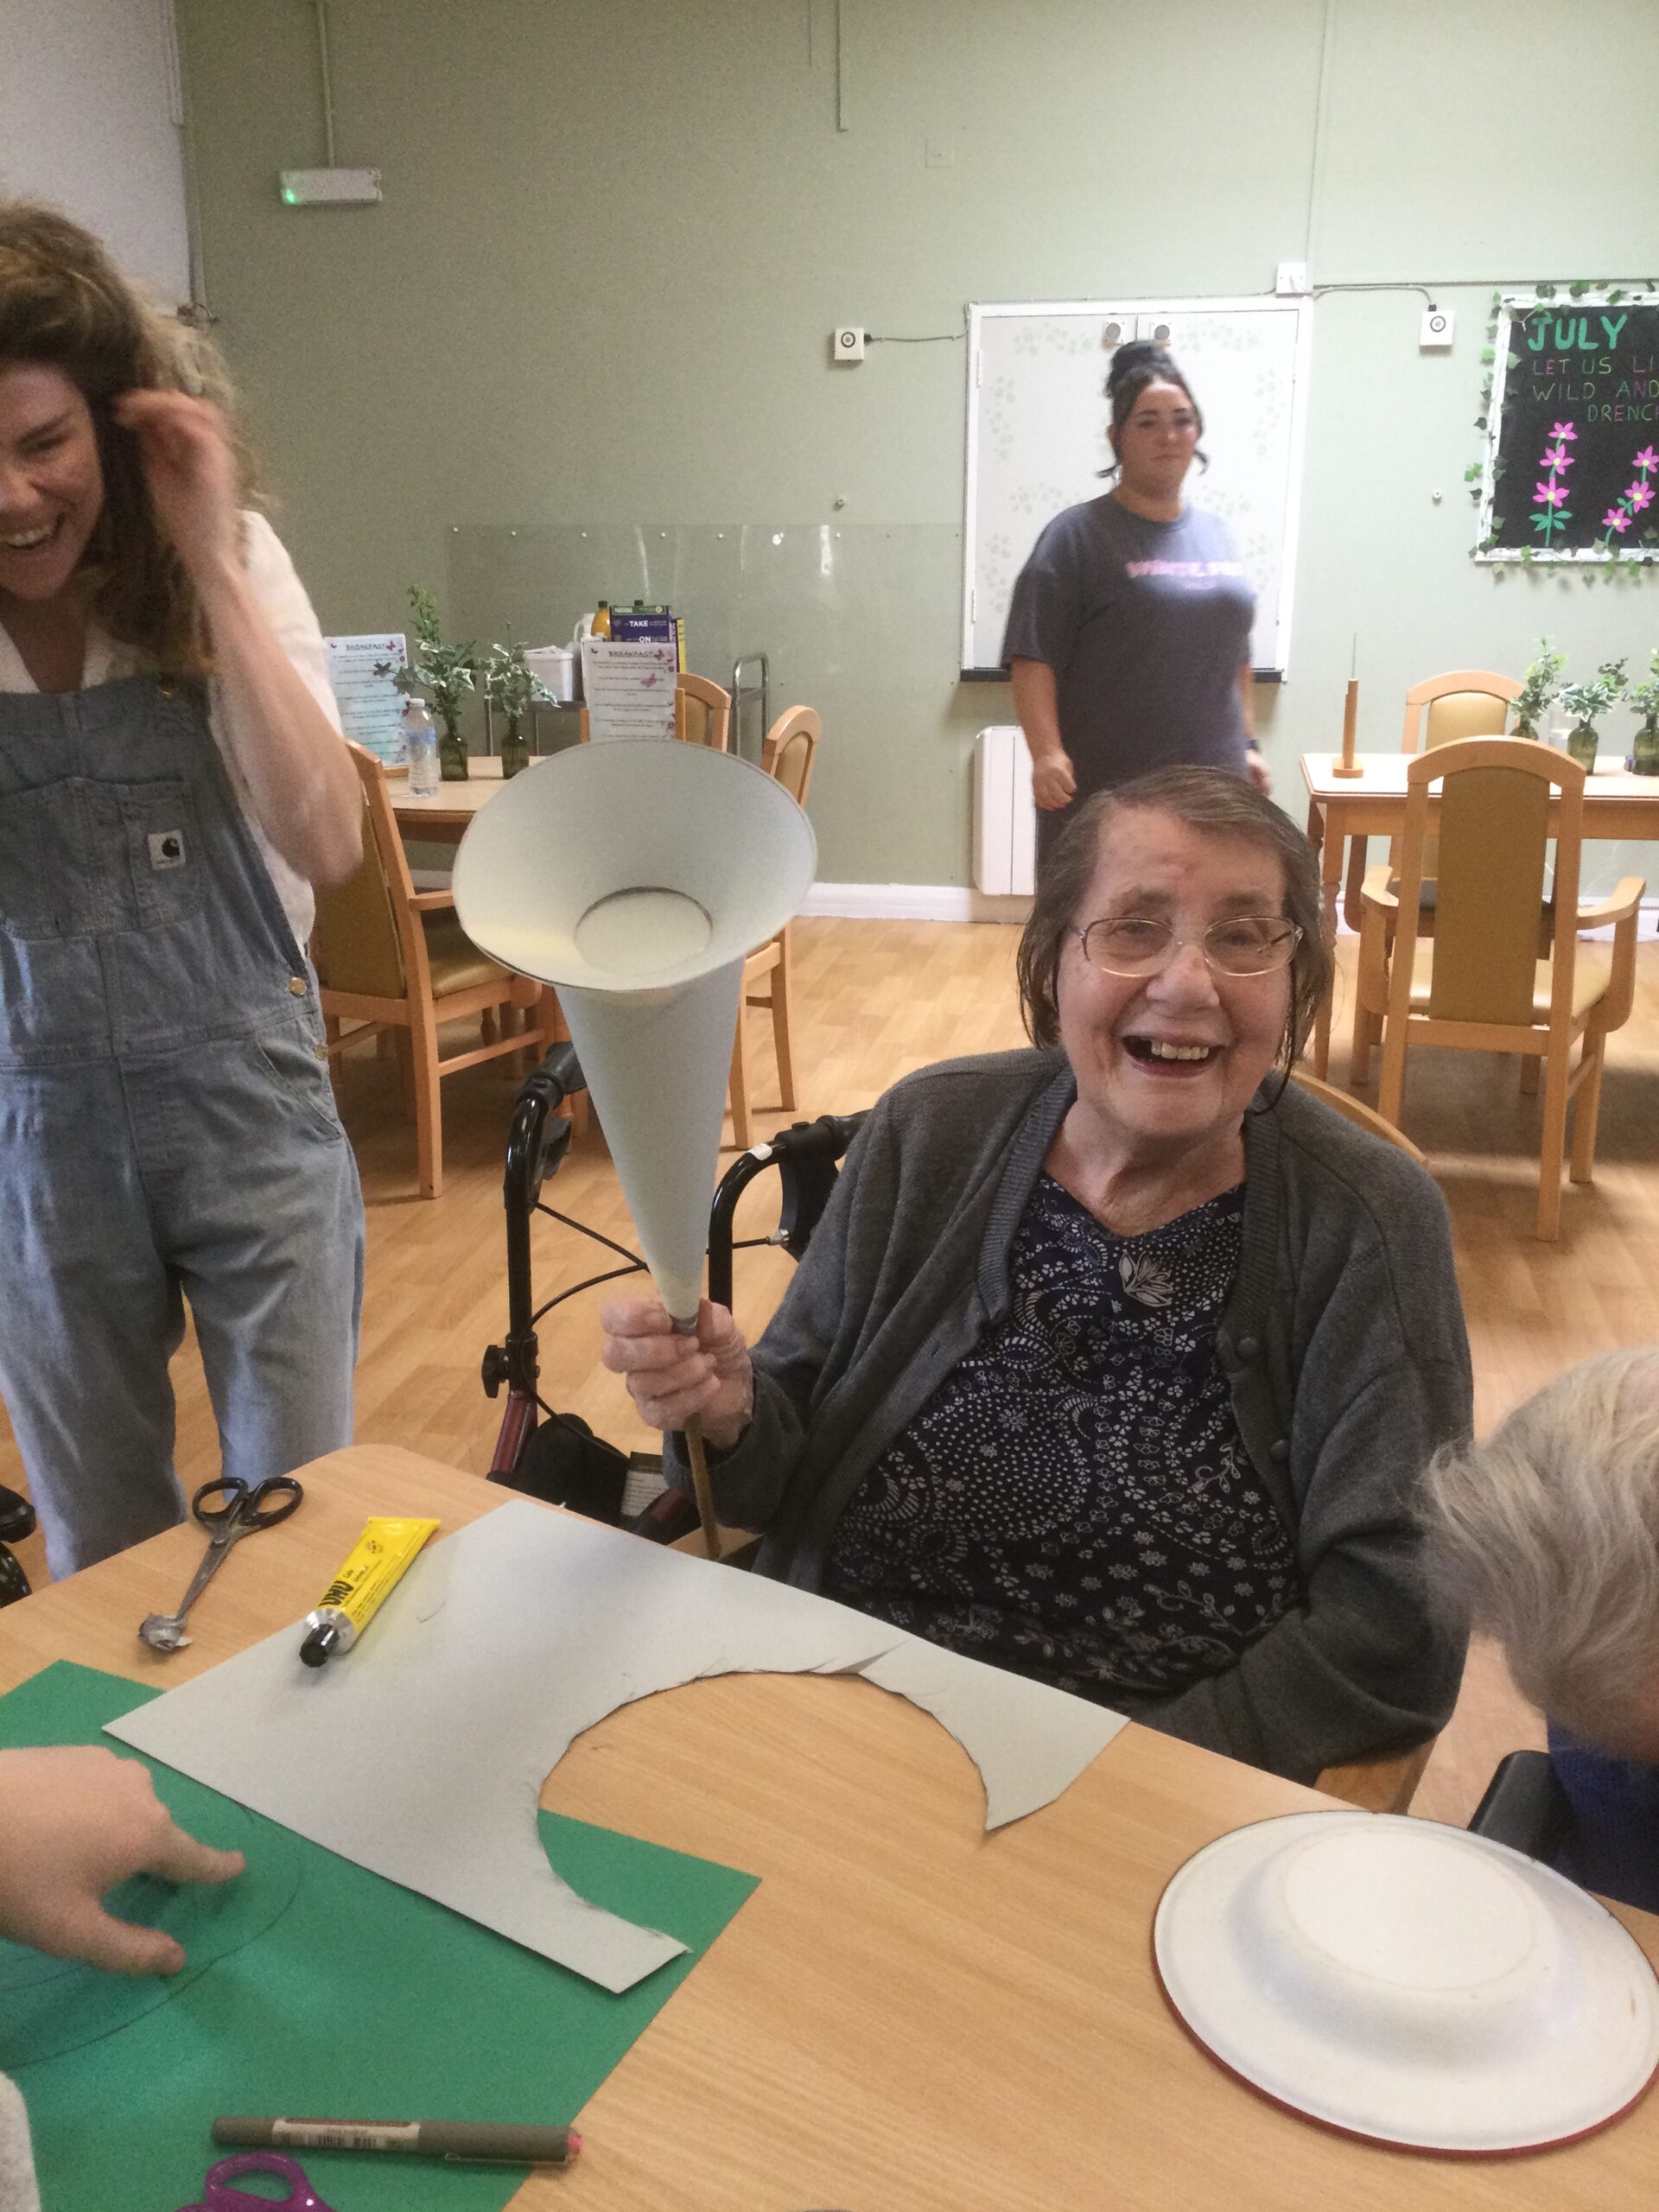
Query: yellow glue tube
(377,1563)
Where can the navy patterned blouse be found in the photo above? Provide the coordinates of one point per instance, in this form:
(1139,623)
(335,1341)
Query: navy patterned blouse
(1075,1500)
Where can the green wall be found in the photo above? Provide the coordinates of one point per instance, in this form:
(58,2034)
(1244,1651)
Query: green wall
(613,242)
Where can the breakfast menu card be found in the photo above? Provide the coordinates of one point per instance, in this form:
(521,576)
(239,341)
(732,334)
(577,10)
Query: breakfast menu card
(370,705)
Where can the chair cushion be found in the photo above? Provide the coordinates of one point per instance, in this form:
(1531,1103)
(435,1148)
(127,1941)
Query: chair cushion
(456,963)
(1592,970)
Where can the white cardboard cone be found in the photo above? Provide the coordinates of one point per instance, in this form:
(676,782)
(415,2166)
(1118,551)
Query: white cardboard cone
(657,1069)
(636,876)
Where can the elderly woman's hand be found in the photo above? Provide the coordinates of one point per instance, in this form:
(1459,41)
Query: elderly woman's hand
(674,1378)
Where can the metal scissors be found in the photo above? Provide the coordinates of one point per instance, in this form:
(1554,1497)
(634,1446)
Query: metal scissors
(243,1512)
(218,2195)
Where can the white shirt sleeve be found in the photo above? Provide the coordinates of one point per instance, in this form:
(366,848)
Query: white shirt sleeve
(283,600)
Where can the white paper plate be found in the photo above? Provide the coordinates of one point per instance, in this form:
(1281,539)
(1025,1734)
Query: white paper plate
(1408,1982)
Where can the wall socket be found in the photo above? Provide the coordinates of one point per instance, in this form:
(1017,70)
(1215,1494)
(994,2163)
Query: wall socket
(847,342)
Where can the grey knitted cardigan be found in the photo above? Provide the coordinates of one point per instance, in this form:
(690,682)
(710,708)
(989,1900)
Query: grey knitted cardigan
(1343,1343)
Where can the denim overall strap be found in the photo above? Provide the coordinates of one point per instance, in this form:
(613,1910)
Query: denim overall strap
(136,915)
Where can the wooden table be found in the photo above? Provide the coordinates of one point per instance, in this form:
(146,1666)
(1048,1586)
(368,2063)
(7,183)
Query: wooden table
(445,815)
(908,2015)
(1373,804)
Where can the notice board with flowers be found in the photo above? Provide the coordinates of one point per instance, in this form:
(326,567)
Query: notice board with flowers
(1572,420)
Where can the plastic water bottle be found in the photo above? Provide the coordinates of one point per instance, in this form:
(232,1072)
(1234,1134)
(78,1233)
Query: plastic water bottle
(420,749)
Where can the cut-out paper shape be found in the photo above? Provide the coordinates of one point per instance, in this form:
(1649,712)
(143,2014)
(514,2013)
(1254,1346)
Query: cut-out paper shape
(421,1754)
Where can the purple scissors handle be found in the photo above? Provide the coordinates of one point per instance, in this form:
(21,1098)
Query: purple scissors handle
(217,2195)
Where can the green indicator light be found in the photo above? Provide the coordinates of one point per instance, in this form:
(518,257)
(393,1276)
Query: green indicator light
(292,198)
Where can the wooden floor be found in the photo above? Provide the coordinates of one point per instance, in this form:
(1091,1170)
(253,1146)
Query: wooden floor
(875,1000)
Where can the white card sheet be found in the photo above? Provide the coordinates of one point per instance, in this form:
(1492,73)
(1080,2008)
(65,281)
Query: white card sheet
(422,1753)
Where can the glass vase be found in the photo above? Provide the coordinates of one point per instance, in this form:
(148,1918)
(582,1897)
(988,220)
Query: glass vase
(1644,760)
(1523,727)
(1581,744)
(452,755)
(515,750)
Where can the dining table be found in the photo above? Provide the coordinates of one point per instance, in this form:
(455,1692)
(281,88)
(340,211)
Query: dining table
(1372,804)
(908,2014)
(444,815)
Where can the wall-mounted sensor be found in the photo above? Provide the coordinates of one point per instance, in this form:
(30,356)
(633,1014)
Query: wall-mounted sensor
(847,342)
(326,187)
(1435,335)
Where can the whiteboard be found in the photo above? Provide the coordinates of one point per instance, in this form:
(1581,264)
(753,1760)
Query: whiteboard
(1036,418)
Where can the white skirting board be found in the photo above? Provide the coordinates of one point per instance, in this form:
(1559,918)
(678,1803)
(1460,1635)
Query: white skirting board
(913,902)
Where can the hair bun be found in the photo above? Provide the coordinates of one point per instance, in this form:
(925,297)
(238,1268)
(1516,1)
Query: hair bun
(1139,355)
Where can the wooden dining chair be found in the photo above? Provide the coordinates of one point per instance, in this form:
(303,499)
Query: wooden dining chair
(1477,984)
(1356,1111)
(395,959)
(788,753)
(1463,703)
(702,713)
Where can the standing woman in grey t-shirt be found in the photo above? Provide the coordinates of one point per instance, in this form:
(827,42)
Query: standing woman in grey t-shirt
(1129,632)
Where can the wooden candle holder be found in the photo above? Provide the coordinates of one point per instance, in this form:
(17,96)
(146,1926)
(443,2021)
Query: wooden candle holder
(1347,765)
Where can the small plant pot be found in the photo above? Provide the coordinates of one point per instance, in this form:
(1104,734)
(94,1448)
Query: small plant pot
(452,765)
(1524,729)
(1581,744)
(1644,760)
(515,750)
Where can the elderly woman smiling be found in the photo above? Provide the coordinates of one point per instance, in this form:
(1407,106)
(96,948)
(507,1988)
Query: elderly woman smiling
(1112,1362)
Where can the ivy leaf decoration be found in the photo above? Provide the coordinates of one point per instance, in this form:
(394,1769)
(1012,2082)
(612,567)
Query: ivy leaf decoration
(1472,472)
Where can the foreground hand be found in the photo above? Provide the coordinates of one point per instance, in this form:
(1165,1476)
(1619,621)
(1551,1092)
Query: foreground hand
(673,1379)
(190,471)
(73,1823)
(1052,780)
(1261,775)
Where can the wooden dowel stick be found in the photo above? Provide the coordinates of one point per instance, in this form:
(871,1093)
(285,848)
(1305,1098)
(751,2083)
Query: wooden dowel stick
(703,1492)
(700,1485)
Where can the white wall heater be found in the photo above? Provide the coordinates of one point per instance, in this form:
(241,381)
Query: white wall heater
(1004,814)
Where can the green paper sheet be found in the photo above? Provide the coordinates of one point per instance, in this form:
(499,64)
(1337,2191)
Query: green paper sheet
(314,1986)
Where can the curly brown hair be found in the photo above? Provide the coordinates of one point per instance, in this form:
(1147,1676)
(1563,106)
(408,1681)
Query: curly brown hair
(65,305)
(1207,799)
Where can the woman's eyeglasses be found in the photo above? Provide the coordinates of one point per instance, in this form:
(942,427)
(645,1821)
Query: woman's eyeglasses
(1243,945)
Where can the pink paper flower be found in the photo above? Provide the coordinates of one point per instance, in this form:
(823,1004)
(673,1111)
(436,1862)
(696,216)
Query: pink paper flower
(1557,458)
(1615,520)
(1640,496)
(1548,495)
(1562,431)
(1646,459)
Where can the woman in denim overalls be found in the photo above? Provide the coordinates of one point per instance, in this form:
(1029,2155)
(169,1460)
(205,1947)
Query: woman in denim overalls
(170,787)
